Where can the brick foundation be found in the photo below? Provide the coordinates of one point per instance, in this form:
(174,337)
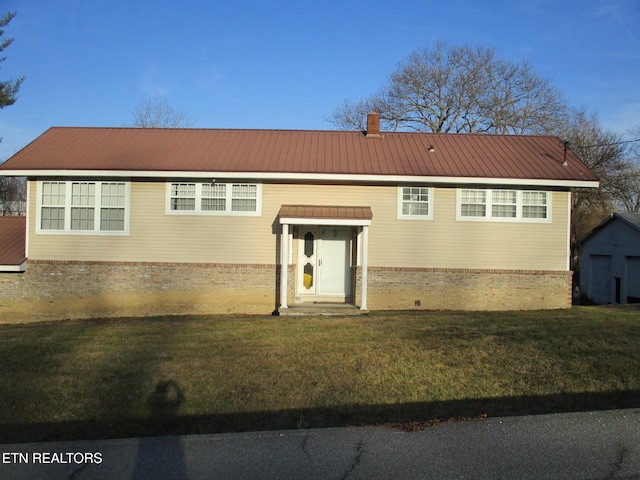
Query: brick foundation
(59,290)
(461,289)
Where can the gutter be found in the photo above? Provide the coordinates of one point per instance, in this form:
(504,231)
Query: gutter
(302,177)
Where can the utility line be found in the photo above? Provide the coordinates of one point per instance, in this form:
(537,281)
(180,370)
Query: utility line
(622,142)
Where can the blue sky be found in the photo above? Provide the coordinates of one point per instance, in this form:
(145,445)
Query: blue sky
(288,64)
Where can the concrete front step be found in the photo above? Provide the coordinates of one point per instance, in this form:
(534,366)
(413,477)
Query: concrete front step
(311,309)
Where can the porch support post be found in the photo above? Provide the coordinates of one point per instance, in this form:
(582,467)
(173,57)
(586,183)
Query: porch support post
(365,262)
(284,265)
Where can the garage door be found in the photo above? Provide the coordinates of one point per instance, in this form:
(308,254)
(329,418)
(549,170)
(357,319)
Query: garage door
(633,279)
(600,279)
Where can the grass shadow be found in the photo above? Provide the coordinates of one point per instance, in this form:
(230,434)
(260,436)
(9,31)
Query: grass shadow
(409,416)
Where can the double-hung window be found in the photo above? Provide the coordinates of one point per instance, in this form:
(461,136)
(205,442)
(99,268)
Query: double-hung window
(503,205)
(183,196)
(52,198)
(113,201)
(213,198)
(473,203)
(415,203)
(83,205)
(535,205)
(244,198)
(88,207)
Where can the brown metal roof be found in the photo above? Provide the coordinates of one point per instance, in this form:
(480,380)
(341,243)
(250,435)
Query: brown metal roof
(326,212)
(300,152)
(12,241)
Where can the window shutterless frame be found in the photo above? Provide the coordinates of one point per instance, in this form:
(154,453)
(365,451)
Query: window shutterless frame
(415,202)
(232,199)
(82,207)
(503,205)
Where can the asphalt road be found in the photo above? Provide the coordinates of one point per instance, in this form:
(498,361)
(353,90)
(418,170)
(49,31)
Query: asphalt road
(585,446)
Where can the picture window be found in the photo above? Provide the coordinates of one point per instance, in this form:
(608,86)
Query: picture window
(82,207)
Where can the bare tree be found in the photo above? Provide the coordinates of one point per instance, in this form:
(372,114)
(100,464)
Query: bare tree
(461,89)
(353,115)
(606,154)
(13,196)
(465,89)
(157,113)
(629,197)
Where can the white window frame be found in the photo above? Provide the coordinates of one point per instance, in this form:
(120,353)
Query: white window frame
(547,205)
(401,202)
(497,203)
(228,200)
(488,217)
(97,206)
(486,204)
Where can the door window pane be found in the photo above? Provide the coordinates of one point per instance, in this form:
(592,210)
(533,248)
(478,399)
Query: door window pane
(308,244)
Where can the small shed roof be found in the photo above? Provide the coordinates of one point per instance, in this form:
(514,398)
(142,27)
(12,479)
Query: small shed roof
(631,219)
(325,214)
(12,243)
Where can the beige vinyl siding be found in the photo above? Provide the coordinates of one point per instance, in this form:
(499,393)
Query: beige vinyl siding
(439,243)
(447,243)
(157,237)
(444,242)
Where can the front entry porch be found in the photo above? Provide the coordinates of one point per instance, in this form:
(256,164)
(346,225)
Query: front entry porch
(327,245)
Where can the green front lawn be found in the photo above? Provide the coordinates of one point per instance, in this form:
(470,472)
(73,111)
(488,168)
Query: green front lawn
(130,377)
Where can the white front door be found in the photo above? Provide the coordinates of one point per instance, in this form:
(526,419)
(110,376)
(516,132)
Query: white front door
(324,263)
(333,261)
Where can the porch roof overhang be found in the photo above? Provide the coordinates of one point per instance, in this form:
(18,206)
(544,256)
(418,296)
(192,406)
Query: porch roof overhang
(325,215)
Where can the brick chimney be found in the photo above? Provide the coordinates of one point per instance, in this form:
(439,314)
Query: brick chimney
(373,125)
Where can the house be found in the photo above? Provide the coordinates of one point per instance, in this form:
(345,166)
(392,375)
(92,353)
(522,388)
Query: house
(129,221)
(610,260)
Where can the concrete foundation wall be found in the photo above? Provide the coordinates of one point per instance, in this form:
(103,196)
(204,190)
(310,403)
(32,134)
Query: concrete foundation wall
(62,290)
